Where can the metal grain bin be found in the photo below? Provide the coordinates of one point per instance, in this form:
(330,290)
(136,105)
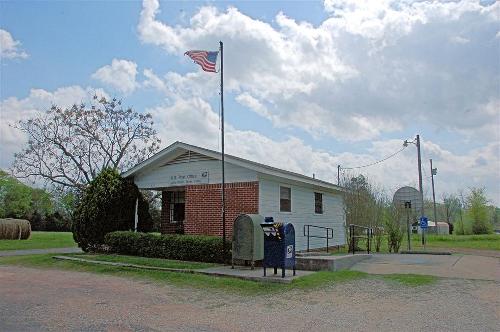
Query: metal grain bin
(248,239)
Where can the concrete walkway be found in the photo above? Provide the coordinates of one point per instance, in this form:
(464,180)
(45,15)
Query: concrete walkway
(72,250)
(257,274)
(239,272)
(454,266)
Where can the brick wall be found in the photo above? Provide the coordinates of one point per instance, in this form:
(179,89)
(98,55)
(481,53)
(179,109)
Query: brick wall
(204,206)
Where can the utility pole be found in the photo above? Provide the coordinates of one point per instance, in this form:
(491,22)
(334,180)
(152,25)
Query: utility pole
(420,176)
(417,143)
(338,175)
(434,172)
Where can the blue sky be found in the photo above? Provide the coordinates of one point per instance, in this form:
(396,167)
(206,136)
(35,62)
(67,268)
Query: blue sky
(309,84)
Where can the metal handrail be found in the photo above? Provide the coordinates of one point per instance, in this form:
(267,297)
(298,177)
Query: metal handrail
(368,236)
(327,237)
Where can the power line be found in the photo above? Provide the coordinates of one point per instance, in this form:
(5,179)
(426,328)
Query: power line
(376,162)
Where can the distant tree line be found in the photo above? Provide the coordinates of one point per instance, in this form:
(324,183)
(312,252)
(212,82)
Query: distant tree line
(44,210)
(367,204)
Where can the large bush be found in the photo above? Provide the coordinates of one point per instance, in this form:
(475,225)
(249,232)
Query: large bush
(107,205)
(197,248)
(477,212)
(393,228)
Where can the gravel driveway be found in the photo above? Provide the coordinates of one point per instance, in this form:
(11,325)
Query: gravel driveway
(41,300)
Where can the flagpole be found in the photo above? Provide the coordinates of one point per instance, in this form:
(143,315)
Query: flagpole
(222,139)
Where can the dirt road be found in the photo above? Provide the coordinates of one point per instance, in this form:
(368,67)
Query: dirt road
(51,300)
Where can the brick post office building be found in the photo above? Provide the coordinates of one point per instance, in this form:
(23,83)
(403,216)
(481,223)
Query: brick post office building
(190,178)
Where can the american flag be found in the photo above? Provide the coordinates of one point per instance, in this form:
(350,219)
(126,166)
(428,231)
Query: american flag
(206,59)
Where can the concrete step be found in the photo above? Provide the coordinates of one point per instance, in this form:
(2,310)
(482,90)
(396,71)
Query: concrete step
(329,262)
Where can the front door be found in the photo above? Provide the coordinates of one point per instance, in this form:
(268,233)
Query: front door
(176,200)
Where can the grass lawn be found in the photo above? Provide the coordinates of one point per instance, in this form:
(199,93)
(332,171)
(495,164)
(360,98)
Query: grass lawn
(411,279)
(488,242)
(237,286)
(158,262)
(40,240)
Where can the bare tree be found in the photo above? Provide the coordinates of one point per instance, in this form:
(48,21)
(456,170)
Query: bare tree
(364,205)
(69,147)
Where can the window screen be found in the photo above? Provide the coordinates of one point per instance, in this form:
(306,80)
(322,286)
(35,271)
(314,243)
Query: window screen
(285,199)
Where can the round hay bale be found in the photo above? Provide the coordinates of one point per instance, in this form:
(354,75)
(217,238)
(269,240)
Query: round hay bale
(14,229)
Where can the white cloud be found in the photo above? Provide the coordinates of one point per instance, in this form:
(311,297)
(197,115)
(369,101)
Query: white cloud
(120,75)
(194,121)
(369,69)
(14,109)
(9,48)
(255,105)
(460,40)
(153,81)
(372,67)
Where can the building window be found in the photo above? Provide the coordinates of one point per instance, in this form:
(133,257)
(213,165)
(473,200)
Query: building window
(285,199)
(318,203)
(176,200)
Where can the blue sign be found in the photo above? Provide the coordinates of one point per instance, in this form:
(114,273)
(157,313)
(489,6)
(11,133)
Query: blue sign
(423,222)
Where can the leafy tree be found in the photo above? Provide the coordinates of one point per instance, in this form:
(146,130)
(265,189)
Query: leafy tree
(18,200)
(15,197)
(108,204)
(451,206)
(69,147)
(477,211)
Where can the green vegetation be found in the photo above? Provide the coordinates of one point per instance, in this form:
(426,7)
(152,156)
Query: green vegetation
(411,279)
(40,207)
(157,262)
(198,248)
(107,205)
(18,200)
(477,212)
(485,241)
(40,240)
(238,286)
(325,278)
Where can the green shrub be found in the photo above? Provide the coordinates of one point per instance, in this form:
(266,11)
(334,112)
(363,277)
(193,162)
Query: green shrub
(197,248)
(108,205)
(393,229)
(477,212)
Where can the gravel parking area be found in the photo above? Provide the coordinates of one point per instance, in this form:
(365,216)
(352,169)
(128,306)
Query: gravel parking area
(52,300)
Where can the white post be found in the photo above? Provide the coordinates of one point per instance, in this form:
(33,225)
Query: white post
(136,214)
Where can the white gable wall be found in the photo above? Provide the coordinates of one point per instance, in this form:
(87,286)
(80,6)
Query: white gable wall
(159,177)
(303,211)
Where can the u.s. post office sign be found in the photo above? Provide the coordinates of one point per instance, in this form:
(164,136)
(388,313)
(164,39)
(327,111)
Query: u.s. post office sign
(187,178)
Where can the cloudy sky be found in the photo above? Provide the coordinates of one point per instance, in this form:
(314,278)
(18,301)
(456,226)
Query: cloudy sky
(308,84)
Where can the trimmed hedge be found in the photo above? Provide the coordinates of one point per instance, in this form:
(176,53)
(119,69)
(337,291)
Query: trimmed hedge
(198,248)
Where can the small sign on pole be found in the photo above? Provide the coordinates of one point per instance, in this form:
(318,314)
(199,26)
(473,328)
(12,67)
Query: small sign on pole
(424,222)
(423,225)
